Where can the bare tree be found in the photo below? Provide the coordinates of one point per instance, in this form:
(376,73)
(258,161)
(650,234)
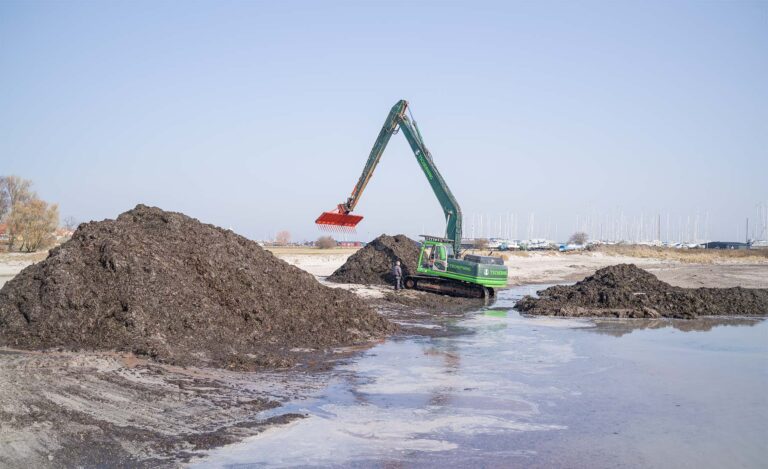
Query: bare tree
(283,238)
(71,223)
(5,202)
(579,237)
(325,242)
(34,221)
(480,243)
(16,191)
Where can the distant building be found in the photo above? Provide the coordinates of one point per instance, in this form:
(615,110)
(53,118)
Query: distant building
(350,244)
(725,245)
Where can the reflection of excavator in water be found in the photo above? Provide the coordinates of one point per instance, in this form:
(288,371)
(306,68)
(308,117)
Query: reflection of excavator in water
(440,268)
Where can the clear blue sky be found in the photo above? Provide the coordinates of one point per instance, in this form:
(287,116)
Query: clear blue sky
(259,115)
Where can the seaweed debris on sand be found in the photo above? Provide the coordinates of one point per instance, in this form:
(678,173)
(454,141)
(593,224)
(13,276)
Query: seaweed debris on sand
(626,291)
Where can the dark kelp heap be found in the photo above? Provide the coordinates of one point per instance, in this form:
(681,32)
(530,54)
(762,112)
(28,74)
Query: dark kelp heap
(165,285)
(626,291)
(372,265)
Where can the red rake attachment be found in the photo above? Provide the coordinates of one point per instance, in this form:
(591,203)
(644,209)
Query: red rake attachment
(338,221)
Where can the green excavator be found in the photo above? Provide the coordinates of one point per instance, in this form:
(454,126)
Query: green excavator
(441,268)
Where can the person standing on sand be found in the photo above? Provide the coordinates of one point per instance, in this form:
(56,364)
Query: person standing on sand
(397,271)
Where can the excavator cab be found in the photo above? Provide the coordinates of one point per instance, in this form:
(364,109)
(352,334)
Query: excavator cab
(440,271)
(434,257)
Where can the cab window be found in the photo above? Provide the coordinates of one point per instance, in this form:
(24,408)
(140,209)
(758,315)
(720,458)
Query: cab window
(427,257)
(441,263)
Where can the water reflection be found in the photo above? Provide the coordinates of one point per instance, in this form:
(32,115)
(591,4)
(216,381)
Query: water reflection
(621,327)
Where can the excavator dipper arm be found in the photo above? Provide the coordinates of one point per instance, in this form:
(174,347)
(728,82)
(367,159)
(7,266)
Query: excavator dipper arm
(397,119)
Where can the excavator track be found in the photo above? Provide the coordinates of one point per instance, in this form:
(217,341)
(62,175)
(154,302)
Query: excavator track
(446,286)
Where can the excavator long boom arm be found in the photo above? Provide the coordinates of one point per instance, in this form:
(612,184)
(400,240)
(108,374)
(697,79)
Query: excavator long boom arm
(397,119)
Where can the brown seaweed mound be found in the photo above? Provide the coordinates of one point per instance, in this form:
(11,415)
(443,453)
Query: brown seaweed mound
(166,285)
(626,291)
(372,265)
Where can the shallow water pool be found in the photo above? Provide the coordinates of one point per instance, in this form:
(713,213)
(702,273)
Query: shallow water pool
(541,392)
